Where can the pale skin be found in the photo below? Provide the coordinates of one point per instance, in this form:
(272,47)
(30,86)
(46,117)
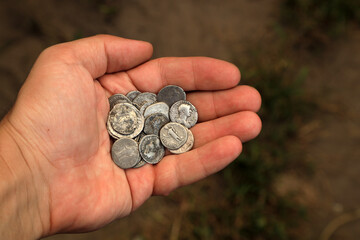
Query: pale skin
(56,172)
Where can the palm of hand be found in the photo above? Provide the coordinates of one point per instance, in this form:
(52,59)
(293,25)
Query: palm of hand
(86,189)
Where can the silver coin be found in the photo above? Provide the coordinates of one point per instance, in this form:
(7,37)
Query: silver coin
(125,120)
(159,107)
(184,112)
(118,98)
(125,153)
(111,131)
(173,135)
(143,98)
(143,107)
(132,95)
(187,146)
(154,122)
(151,149)
(171,94)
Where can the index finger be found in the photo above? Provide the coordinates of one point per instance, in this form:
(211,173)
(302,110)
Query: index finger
(190,73)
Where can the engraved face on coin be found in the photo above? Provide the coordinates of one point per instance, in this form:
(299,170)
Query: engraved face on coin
(151,149)
(125,153)
(185,113)
(187,146)
(132,95)
(118,98)
(171,94)
(173,135)
(125,120)
(159,107)
(143,98)
(154,123)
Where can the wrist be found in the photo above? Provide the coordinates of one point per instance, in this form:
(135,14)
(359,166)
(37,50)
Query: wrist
(24,207)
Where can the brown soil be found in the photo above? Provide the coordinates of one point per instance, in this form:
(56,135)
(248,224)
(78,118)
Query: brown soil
(330,140)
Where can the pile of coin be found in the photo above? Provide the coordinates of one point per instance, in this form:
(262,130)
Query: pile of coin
(144,124)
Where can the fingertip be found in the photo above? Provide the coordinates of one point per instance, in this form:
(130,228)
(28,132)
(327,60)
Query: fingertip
(253,98)
(235,74)
(235,144)
(251,126)
(230,73)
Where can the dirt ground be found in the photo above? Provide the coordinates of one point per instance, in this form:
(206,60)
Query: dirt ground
(330,139)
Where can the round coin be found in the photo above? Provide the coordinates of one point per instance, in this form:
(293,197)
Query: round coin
(171,94)
(187,146)
(154,122)
(118,98)
(125,153)
(173,135)
(143,98)
(151,149)
(132,95)
(159,107)
(184,112)
(125,120)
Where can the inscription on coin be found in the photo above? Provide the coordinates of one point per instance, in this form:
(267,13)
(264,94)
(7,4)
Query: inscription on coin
(185,113)
(173,135)
(171,94)
(154,123)
(151,149)
(125,153)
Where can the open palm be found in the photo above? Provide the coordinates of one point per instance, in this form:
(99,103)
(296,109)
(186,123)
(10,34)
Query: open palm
(61,114)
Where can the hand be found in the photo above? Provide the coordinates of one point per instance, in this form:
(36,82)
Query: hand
(59,126)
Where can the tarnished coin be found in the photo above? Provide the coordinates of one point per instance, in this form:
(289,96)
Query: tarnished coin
(132,95)
(125,120)
(143,98)
(154,122)
(143,107)
(171,94)
(151,149)
(140,164)
(118,98)
(125,153)
(184,112)
(159,107)
(111,131)
(187,146)
(173,135)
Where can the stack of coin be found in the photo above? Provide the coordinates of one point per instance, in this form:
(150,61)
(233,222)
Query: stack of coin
(144,124)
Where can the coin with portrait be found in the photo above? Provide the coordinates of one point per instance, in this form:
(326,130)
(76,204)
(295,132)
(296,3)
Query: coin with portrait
(151,149)
(126,120)
(185,113)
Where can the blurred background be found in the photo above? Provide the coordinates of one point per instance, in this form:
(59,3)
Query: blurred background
(300,178)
